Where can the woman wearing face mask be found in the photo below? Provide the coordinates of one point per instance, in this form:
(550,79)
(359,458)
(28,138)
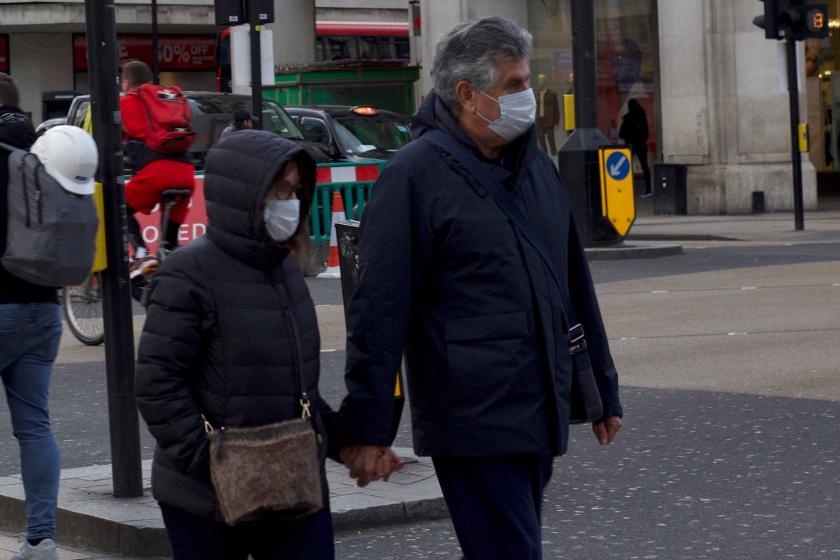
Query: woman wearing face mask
(230,332)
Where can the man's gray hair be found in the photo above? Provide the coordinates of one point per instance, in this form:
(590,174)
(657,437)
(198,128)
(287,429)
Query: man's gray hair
(470,52)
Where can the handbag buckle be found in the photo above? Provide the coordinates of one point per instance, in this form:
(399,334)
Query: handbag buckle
(305,408)
(208,427)
(576,334)
(577,340)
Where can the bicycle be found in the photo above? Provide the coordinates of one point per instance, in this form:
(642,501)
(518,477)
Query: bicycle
(82,303)
(82,307)
(141,286)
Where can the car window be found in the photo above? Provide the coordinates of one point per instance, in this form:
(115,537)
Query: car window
(275,119)
(382,132)
(212,113)
(315,130)
(350,143)
(79,115)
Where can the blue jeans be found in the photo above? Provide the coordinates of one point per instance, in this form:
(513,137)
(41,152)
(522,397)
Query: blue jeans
(29,337)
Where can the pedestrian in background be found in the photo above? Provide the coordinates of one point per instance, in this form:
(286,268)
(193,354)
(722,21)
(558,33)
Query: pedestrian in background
(446,279)
(230,331)
(634,131)
(242,120)
(30,329)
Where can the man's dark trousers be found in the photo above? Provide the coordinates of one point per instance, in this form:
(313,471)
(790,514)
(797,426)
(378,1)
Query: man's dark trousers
(495,503)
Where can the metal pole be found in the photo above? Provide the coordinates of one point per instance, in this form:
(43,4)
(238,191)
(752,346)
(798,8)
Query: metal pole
(256,63)
(155,50)
(796,155)
(584,64)
(116,298)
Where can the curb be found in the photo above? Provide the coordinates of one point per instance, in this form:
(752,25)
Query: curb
(625,251)
(680,237)
(142,539)
(90,518)
(394,514)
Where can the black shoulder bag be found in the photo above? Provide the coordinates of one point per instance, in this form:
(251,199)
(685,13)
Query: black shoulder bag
(585,398)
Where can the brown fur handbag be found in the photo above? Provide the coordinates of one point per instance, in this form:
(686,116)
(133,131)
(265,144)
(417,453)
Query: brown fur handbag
(272,470)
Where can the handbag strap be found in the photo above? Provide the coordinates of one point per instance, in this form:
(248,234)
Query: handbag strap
(504,200)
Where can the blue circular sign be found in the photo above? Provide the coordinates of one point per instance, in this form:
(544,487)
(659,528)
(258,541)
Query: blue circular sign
(618,166)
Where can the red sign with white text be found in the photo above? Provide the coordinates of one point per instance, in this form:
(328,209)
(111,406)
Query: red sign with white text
(177,52)
(193,227)
(4,53)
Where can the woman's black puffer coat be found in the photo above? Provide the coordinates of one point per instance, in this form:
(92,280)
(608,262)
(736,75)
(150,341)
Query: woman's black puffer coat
(230,322)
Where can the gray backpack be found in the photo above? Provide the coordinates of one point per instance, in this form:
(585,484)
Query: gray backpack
(51,237)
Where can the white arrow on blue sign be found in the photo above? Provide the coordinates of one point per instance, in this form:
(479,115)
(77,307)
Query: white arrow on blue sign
(618,166)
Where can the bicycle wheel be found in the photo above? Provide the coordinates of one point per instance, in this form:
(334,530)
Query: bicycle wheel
(83,310)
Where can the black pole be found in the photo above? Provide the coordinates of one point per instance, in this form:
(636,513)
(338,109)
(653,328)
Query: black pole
(116,297)
(256,63)
(578,156)
(584,64)
(796,155)
(155,49)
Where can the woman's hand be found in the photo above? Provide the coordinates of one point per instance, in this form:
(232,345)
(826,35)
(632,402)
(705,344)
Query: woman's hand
(370,462)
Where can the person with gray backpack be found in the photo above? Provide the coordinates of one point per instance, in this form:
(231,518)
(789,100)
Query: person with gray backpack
(45,193)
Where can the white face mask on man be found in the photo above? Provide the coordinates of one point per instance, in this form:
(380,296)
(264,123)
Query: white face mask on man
(282,218)
(518,112)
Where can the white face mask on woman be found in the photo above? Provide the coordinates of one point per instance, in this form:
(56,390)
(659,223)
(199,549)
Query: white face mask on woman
(518,112)
(282,218)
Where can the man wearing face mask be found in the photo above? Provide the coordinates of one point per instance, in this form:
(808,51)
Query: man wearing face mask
(484,316)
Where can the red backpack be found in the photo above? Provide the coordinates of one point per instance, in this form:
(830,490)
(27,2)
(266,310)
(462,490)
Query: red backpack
(170,118)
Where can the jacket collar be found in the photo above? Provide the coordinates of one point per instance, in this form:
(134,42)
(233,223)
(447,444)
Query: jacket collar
(516,156)
(261,255)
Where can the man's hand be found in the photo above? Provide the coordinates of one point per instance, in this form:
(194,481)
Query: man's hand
(605,431)
(370,462)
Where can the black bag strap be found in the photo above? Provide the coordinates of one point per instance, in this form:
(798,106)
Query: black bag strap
(510,207)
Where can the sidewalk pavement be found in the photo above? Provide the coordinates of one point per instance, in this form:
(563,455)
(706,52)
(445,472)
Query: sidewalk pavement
(90,517)
(821,226)
(9,545)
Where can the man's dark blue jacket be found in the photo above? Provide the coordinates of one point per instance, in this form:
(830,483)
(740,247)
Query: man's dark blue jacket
(445,278)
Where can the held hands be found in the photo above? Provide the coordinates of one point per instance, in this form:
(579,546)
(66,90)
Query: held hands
(606,430)
(370,462)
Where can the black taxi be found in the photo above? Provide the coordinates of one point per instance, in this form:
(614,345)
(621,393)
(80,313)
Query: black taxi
(348,134)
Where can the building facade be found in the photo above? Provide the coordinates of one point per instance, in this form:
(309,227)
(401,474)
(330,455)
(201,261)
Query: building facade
(711,85)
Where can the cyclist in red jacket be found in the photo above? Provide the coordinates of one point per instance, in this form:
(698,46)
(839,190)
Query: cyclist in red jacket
(153,172)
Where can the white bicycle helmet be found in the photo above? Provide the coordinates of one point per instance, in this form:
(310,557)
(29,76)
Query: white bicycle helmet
(70,156)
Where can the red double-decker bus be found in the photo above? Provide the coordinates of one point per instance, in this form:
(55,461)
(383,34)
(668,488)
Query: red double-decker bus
(337,40)
(352,40)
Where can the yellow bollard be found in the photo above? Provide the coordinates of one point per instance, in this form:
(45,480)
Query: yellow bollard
(569,112)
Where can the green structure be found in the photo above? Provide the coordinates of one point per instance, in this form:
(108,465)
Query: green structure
(387,86)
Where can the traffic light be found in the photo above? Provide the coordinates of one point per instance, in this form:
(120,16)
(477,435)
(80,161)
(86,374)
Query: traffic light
(769,20)
(796,20)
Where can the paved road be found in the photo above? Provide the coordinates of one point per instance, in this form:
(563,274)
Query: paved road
(717,460)
(697,257)
(695,475)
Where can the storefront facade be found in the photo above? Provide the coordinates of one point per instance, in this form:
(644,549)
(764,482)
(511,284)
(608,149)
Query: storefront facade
(42,45)
(709,83)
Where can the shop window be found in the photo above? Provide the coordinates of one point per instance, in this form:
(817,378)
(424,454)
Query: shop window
(627,57)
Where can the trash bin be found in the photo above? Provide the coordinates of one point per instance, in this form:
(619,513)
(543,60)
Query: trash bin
(56,104)
(669,195)
(348,259)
